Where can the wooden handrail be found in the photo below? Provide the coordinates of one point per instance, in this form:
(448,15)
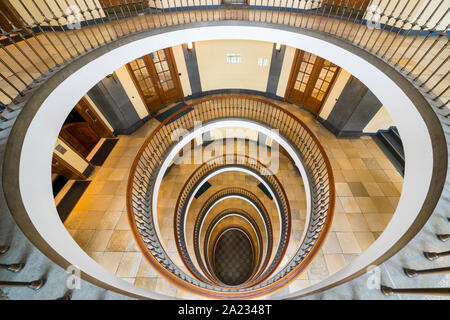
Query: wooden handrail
(196,232)
(264,211)
(290,271)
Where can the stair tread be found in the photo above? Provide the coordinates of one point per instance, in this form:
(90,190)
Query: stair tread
(393,145)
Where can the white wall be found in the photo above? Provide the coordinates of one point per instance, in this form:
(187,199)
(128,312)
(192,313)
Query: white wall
(182,69)
(71,157)
(131,91)
(381,121)
(288,60)
(341,80)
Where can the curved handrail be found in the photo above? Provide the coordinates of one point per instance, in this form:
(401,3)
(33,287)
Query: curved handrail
(222,232)
(235,211)
(150,157)
(196,179)
(253,199)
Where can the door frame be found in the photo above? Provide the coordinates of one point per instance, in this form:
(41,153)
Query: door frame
(315,72)
(161,98)
(75,174)
(92,117)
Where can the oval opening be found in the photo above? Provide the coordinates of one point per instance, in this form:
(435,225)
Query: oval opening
(233,257)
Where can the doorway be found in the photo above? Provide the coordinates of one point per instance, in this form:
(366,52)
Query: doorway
(311,79)
(156,78)
(83,128)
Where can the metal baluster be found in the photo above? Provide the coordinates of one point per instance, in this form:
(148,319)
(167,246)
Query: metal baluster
(4,249)
(436,255)
(16,267)
(35,285)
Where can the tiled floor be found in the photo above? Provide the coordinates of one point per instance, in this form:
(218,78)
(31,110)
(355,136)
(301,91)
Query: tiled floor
(367,186)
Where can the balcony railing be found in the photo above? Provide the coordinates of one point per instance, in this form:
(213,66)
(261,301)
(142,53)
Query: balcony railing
(197,177)
(150,158)
(412,36)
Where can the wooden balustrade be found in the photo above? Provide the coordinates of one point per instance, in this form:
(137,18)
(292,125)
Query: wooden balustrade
(148,162)
(30,50)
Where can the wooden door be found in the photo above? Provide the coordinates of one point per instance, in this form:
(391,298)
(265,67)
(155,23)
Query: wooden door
(165,73)
(80,136)
(156,78)
(311,80)
(85,109)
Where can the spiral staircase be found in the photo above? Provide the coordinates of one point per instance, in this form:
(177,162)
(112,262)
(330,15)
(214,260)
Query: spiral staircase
(41,53)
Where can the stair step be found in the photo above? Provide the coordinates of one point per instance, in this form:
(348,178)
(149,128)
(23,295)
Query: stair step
(393,145)
(8,115)
(396,135)
(7,124)
(16,106)
(384,146)
(5,133)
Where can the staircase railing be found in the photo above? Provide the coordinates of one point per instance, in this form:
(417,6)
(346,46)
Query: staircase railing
(254,200)
(412,36)
(158,145)
(197,177)
(412,273)
(259,251)
(17,267)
